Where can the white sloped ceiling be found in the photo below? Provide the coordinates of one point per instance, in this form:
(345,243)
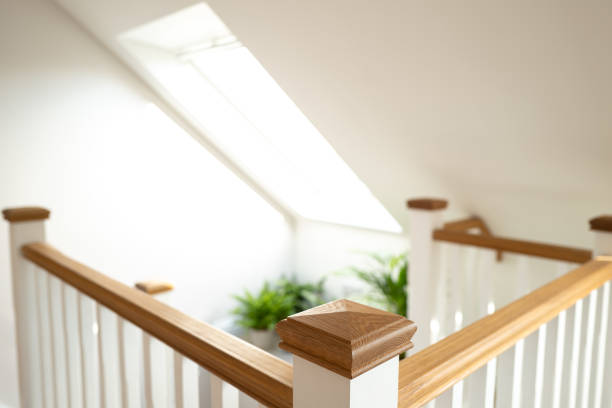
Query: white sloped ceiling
(505,108)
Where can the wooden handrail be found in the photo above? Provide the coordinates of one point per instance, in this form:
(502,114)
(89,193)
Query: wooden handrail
(466,224)
(261,375)
(576,255)
(429,373)
(470,223)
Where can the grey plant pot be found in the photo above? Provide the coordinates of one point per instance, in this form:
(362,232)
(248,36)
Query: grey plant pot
(264,339)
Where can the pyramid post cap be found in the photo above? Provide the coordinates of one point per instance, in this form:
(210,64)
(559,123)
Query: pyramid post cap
(346,337)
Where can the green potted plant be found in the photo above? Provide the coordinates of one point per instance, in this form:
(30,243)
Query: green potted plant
(387,277)
(259,313)
(305,295)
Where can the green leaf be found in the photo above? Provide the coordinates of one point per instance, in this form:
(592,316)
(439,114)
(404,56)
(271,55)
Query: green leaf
(275,302)
(388,281)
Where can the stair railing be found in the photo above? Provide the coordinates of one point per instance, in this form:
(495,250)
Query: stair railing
(74,325)
(71,352)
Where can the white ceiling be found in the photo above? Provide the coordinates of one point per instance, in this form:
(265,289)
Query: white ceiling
(505,108)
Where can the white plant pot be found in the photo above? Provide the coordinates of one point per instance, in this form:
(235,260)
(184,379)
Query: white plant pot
(264,339)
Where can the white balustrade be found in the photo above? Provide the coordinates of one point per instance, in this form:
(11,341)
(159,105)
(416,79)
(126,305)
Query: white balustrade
(70,355)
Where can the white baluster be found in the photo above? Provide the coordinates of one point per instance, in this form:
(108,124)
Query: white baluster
(573,392)
(51,321)
(191,385)
(47,391)
(222,394)
(490,384)
(441,308)
(485,305)
(458,395)
(35,352)
(601,346)
(26,226)
(178,379)
(485,268)
(146,370)
(455,276)
(559,358)
(588,350)
(517,373)
(469,305)
(81,344)
(66,345)
(216,392)
(123,384)
(101,370)
(541,354)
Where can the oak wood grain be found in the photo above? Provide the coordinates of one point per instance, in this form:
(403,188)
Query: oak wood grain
(427,203)
(568,254)
(601,223)
(472,223)
(466,224)
(25,214)
(154,287)
(261,375)
(346,337)
(429,373)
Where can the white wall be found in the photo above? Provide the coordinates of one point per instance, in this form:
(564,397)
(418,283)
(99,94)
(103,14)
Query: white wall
(501,106)
(131,193)
(323,249)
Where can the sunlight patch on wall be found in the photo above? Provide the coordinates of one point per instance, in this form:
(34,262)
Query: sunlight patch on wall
(222,89)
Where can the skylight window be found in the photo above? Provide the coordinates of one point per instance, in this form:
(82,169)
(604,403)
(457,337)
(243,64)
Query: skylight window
(223,90)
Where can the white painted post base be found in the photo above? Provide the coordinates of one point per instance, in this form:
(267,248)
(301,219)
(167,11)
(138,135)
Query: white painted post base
(316,386)
(26,226)
(603,246)
(426,215)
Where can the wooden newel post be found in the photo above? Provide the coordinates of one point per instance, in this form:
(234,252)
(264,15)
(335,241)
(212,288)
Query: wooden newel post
(346,355)
(27,225)
(602,230)
(426,215)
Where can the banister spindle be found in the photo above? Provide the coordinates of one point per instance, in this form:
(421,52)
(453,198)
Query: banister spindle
(575,359)
(151,287)
(426,215)
(27,225)
(346,355)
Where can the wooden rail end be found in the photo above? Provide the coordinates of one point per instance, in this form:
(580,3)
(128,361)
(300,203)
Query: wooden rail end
(346,337)
(154,287)
(21,214)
